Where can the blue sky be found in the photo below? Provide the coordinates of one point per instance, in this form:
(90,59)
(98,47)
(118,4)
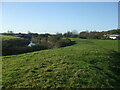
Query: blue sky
(53,17)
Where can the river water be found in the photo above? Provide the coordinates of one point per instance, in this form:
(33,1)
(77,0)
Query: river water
(32,44)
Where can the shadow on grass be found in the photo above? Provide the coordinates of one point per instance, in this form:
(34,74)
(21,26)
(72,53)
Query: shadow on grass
(115,62)
(87,41)
(115,68)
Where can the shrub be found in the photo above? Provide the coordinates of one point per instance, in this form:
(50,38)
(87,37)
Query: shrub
(18,46)
(12,46)
(23,49)
(63,43)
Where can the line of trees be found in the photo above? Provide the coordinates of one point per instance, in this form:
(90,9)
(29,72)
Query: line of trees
(92,34)
(73,34)
(48,41)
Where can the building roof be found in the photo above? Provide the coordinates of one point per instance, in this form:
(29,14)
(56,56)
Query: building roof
(114,35)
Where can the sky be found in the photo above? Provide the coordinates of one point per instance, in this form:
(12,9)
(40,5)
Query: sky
(59,17)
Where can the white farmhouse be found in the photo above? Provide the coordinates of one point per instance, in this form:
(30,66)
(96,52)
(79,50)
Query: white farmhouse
(113,36)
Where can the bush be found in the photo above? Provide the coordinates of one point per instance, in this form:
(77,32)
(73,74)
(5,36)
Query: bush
(12,46)
(23,49)
(63,43)
(15,42)
(18,46)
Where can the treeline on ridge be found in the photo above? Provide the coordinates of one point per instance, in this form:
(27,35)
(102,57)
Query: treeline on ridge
(48,41)
(92,34)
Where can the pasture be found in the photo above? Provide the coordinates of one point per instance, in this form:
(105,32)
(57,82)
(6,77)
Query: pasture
(90,63)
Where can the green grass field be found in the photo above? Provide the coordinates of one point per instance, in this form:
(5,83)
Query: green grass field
(87,64)
(4,37)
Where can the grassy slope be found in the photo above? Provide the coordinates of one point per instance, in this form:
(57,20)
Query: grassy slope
(4,37)
(89,63)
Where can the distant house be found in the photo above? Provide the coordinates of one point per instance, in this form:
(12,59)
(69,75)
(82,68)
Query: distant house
(113,36)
